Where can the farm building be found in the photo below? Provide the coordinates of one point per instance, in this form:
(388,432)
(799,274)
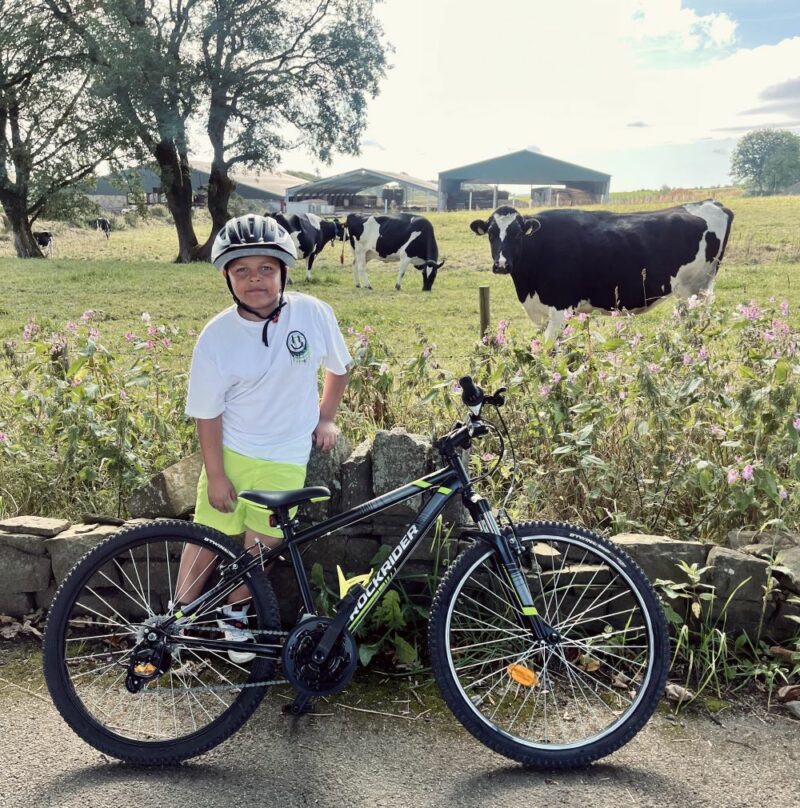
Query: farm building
(113,194)
(525,167)
(362,190)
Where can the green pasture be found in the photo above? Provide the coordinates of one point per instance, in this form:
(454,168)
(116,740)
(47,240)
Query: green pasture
(133,273)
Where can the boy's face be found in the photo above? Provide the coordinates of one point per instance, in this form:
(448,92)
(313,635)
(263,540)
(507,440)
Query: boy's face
(256,281)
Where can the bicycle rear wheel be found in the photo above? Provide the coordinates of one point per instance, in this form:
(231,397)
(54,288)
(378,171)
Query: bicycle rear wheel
(558,704)
(121,591)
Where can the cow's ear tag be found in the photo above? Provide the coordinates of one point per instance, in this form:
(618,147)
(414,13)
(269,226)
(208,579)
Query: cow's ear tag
(532,226)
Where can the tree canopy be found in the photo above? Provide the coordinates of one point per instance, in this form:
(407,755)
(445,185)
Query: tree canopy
(260,76)
(52,133)
(767,160)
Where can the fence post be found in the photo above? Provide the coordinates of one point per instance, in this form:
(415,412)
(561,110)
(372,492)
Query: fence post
(483,293)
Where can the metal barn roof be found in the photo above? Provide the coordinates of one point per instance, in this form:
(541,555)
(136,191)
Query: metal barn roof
(248,186)
(524,167)
(351,182)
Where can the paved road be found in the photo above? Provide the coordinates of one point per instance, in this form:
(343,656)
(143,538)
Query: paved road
(346,757)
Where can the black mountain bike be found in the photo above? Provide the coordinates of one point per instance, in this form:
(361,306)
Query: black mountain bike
(547,642)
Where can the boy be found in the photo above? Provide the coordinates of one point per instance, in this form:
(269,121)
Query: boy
(253,392)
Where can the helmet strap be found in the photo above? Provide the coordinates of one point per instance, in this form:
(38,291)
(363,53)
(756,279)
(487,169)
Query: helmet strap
(272,317)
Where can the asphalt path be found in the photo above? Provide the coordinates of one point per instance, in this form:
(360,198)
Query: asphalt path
(345,757)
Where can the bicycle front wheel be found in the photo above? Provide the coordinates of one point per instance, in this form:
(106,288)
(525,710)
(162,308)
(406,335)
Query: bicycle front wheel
(550,704)
(117,596)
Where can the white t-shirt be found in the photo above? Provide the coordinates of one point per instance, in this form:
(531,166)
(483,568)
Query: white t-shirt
(268,396)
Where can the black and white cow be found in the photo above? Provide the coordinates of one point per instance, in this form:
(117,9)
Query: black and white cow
(103,225)
(46,239)
(402,237)
(310,234)
(573,259)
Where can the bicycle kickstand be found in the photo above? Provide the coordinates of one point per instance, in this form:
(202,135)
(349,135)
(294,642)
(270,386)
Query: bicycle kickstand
(302,704)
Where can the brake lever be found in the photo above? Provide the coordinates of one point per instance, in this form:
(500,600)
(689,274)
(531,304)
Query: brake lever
(497,398)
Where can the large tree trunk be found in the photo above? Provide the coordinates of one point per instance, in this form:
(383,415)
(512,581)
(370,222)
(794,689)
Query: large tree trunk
(220,188)
(17,214)
(176,180)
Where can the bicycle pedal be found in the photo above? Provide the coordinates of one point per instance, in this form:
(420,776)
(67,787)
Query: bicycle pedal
(302,705)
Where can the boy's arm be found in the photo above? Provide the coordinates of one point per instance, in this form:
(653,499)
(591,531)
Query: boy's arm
(221,493)
(326,433)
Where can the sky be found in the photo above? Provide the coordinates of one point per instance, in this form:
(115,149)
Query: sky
(653,92)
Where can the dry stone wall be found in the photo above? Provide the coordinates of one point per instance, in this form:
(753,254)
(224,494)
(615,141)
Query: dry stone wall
(37,553)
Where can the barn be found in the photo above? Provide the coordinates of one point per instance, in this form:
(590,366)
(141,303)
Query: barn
(577,184)
(116,192)
(362,190)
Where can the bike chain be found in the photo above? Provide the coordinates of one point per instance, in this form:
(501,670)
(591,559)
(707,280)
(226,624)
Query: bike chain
(225,688)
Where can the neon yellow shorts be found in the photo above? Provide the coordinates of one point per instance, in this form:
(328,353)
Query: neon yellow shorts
(244,473)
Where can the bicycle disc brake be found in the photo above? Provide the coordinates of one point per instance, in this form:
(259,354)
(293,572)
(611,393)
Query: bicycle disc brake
(307,676)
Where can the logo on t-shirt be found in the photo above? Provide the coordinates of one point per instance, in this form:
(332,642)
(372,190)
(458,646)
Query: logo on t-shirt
(297,344)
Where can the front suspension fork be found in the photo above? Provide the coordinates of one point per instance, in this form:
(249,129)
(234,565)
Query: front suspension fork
(508,554)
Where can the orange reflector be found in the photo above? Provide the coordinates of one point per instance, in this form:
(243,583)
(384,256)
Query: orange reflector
(144,669)
(522,675)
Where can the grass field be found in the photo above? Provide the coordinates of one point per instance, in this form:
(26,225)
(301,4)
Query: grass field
(132,273)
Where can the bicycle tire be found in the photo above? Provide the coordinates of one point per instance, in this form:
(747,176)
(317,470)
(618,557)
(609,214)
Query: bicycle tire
(99,614)
(550,706)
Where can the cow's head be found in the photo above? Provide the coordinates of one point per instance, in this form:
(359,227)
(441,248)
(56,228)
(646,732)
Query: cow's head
(506,229)
(429,270)
(339,230)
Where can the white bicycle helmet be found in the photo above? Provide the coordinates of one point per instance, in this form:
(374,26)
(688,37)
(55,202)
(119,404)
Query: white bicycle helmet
(252,235)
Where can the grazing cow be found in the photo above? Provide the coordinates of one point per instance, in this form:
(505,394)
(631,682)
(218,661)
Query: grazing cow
(402,237)
(104,225)
(310,234)
(46,239)
(573,259)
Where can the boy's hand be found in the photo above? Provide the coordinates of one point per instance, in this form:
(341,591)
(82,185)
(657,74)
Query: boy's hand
(221,494)
(325,435)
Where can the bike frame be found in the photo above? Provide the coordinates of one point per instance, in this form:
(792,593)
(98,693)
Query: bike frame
(446,482)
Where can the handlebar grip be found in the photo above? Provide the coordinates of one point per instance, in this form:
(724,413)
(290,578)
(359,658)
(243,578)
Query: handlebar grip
(471,394)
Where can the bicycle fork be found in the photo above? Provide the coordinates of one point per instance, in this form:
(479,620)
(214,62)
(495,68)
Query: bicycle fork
(509,551)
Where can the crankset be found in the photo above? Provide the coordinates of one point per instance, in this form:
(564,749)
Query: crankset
(312,677)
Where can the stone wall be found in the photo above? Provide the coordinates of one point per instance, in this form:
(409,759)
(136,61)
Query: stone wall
(36,553)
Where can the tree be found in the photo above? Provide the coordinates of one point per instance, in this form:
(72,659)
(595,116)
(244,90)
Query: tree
(263,75)
(51,134)
(768,160)
(301,75)
(147,67)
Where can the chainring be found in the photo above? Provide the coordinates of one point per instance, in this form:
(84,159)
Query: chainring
(306,676)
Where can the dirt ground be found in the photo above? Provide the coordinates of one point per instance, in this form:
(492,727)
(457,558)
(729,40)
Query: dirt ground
(380,744)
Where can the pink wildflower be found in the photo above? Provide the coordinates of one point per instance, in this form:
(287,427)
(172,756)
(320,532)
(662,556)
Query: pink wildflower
(733,476)
(653,368)
(544,391)
(122,394)
(557,378)
(747,472)
(568,331)
(796,424)
(130,336)
(87,315)
(149,345)
(3,437)
(702,354)
(488,457)
(583,317)
(783,494)
(536,346)
(687,359)
(93,333)
(785,309)
(166,342)
(151,331)
(71,327)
